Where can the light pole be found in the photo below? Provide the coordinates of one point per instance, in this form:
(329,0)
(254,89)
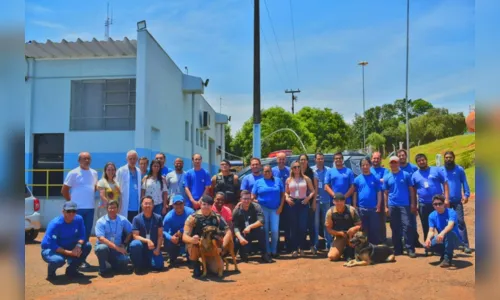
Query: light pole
(363,64)
(406,93)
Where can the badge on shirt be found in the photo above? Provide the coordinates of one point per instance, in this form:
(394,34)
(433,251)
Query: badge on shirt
(426,184)
(148,236)
(320,185)
(296,194)
(247,224)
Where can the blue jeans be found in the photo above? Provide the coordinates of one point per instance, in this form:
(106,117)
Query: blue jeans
(285,224)
(298,224)
(319,218)
(117,260)
(424,210)
(462,228)
(57,260)
(88,220)
(370,222)
(311,228)
(172,249)
(255,234)
(143,258)
(445,249)
(401,226)
(383,220)
(271,223)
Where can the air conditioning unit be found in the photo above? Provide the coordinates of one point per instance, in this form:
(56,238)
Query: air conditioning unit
(205,120)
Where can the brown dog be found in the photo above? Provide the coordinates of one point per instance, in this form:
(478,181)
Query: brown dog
(229,250)
(209,248)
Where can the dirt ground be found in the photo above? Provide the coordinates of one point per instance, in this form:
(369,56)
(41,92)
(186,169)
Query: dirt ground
(303,278)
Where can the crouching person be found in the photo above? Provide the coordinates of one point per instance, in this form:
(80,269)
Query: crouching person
(110,231)
(342,222)
(147,231)
(443,236)
(65,240)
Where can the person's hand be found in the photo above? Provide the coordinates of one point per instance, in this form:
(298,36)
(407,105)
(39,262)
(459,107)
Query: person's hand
(76,252)
(121,249)
(414,209)
(238,205)
(428,244)
(387,211)
(195,239)
(440,238)
(447,203)
(278,211)
(174,239)
(156,252)
(243,242)
(314,206)
(289,201)
(151,245)
(343,234)
(164,210)
(247,230)
(306,200)
(378,208)
(465,200)
(351,232)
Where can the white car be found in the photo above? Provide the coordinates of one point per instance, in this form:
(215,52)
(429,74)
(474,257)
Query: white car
(31,216)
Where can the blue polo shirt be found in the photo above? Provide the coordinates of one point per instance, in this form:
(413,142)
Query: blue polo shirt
(248,182)
(165,170)
(196,182)
(62,234)
(409,168)
(323,196)
(398,185)
(340,180)
(147,226)
(174,222)
(133,194)
(428,183)
(457,180)
(268,192)
(440,221)
(367,187)
(281,173)
(112,230)
(380,172)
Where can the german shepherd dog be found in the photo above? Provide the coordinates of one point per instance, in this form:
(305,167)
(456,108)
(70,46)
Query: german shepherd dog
(209,248)
(367,253)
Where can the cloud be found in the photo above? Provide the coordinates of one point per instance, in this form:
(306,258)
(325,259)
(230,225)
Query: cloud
(48,24)
(37,9)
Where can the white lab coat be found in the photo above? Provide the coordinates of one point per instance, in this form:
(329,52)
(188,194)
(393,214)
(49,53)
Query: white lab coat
(123,178)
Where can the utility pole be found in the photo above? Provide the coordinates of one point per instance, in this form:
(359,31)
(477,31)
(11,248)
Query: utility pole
(256,80)
(108,23)
(220,104)
(407,64)
(363,64)
(294,98)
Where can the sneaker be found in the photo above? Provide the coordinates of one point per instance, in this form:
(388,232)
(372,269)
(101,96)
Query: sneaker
(467,250)
(348,258)
(295,254)
(84,265)
(445,263)
(412,254)
(51,276)
(267,258)
(106,274)
(314,251)
(275,255)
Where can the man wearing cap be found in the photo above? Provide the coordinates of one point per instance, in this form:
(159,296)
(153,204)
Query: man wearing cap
(110,230)
(227,183)
(400,203)
(65,240)
(342,222)
(193,229)
(173,223)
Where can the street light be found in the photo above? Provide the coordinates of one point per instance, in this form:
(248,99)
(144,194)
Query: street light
(363,64)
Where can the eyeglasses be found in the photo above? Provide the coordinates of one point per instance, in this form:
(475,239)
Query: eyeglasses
(437,204)
(295,167)
(71,211)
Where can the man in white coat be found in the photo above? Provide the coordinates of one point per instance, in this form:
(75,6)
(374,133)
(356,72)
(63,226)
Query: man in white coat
(129,179)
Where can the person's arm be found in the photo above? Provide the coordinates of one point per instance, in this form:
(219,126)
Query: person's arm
(127,226)
(310,187)
(68,183)
(81,233)
(328,184)
(237,223)
(352,189)
(446,194)
(159,241)
(451,223)
(386,201)
(208,185)
(167,227)
(143,186)
(165,196)
(357,223)
(255,191)
(430,235)
(465,184)
(213,185)
(188,230)
(329,190)
(136,234)
(287,192)
(329,225)
(379,199)
(236,182)
(52,242)
(100,234)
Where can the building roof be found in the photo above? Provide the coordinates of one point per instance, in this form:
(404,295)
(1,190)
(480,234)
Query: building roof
(81,49)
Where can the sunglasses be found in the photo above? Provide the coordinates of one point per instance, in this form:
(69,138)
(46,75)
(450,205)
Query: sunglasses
(438,204)
(71,211)
(295,167)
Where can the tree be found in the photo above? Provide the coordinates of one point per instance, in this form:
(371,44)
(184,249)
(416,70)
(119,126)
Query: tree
(328,127)
(228,139)
(436,124)
(376,140)
(416,108)
(273,119)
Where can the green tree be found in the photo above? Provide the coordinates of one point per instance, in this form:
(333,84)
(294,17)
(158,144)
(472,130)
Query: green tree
(436,124)
(329,128)
(416,108)
(376,140)
(228,139)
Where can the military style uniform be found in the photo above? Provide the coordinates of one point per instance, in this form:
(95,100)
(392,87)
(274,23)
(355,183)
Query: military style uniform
(227,185)
(342,221)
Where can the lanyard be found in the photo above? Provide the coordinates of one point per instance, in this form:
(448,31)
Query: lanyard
(179,182)
(111,229)
(150,224)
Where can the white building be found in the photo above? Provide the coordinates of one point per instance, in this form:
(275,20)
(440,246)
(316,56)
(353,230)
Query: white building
(107,97)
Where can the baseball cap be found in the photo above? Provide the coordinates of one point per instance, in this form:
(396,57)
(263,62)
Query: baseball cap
(177,199)
(339,196)
(69,205)
(394,158)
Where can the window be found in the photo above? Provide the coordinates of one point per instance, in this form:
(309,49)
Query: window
(197,136)
(205,141)
(201,139)
(105,104)
(186,131)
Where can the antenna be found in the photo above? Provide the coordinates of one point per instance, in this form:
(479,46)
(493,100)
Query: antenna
(108,23)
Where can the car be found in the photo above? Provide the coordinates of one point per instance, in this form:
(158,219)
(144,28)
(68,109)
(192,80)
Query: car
(31,216)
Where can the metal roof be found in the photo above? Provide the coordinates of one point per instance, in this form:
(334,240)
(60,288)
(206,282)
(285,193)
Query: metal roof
(81,49)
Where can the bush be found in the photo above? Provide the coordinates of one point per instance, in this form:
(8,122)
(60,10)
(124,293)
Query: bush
(466,160)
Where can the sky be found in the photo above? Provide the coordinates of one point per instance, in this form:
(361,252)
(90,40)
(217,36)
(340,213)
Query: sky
(318,54)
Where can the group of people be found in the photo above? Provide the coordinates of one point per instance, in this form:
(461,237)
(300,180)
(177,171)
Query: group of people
(155,209)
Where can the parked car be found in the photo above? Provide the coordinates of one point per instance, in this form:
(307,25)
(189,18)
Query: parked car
(31,215)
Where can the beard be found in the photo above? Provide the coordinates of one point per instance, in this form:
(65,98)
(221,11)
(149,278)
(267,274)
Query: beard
(449,164)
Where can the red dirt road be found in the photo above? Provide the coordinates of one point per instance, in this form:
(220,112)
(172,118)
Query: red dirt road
(303,278)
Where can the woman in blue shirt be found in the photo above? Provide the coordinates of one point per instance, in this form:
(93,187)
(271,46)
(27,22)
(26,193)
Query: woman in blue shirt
(269,193)
(367,198)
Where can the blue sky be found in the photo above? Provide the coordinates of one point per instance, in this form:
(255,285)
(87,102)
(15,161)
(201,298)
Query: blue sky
(215,40)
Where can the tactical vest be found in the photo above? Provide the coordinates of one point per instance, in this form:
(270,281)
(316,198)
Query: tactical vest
(342,221)
(203,221)
(226,185)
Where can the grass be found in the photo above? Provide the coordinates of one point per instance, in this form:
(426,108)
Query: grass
(464,147)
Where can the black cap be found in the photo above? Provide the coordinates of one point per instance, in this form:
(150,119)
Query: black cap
(226,161)
(207,199)
(69,205)
(339,196)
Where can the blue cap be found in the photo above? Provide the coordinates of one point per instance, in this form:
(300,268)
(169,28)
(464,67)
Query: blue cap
(69,205)
(177,199)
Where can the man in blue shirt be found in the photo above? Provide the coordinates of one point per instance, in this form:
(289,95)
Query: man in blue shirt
(428,182)
(456,181)
(65,240)
(398,192)
(249,180)
(340,179)
(283,172)
(443,235)
(147,231)
(410,168)
(368,199)
(163,162)
(380,172)
(174,221)
(323,200)
(110,231)
(197,182)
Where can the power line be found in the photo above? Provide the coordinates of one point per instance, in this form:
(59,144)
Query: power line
(272,57)
(294,44)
